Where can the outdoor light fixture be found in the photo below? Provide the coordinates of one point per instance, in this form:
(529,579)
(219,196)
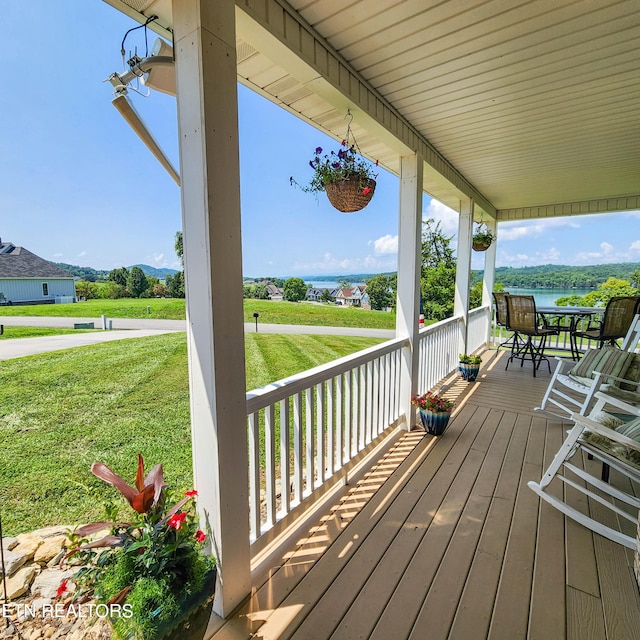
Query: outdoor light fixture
(157,72)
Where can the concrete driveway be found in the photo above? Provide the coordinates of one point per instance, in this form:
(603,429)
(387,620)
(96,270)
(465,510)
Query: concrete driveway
(140,328)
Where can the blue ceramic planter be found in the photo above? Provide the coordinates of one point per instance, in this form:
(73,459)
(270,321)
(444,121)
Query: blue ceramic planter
(434,423)
(469,372)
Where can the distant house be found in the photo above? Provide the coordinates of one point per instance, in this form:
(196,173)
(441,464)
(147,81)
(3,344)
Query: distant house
(354,297)
(315,293)
(25,278)
(275,293)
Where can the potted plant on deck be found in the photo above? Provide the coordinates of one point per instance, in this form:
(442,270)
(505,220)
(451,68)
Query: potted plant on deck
(346,177)
(435,411)
(469,366)
(482,237)
(151,573)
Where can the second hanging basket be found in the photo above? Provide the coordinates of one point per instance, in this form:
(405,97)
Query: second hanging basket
(350,194)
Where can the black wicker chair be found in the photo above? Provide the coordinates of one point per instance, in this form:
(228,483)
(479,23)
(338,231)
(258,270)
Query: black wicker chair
(615,323)
(523,318)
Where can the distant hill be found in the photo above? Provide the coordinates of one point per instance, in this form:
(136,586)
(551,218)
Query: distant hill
(557,276)
(96,275)
(161,274)
(84,273)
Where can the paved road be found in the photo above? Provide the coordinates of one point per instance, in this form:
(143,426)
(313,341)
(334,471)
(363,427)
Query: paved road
(139,328)
(19,347)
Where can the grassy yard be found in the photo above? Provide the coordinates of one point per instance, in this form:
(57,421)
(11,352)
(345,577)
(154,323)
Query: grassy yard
(62,411)
(37,332)
(171,309)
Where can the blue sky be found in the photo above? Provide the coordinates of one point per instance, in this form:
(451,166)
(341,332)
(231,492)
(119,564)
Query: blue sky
(77,186)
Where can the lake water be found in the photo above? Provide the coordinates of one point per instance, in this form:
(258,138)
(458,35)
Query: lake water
(547,297)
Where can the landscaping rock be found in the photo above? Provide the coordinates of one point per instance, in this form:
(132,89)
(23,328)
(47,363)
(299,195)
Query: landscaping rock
(47,583)
(19,583)
(9,543)
(49,549)
(13,561)
(28,545)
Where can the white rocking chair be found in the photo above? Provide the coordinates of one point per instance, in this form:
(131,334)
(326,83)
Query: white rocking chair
(569,392)
(618,447)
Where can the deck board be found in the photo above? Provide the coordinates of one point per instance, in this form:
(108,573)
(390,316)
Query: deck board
(443,539)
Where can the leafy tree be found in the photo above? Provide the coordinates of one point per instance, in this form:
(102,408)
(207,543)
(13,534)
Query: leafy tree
(178,246)
(159,290)
(438,272)
(86,289)
(295,289)
(345,284)
(611,288)
(326,296)
(175,285)
(380,292)
(137,282)
(119,276)
(635,278)
(112,290)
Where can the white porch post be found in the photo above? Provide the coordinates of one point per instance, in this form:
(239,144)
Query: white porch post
(463,269)
(409,260)
(489,275)
(205,50)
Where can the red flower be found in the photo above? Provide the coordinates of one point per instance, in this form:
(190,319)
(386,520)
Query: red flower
(62,588)
(176,520)
(344,143)
(200,536)
(191,494)
(366,190)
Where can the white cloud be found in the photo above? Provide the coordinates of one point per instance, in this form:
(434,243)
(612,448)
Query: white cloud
(82,254)
(385,245)
(447,217)
(57,255)
(333,265)
(523,259)
(516,230)
(635,246)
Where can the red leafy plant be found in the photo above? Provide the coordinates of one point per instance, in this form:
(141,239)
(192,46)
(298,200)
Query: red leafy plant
(433,402)
(152,563)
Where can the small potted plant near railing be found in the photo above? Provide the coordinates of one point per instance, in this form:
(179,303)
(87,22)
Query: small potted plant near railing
(482,238)
(469,366)
(346,177)
(151,573)
(435,411)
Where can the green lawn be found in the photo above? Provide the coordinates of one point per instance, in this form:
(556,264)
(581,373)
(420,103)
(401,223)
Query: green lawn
(62,411)
(36,332)
(172,309)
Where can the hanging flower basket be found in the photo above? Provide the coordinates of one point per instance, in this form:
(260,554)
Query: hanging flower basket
(346,177)
(350,194)
(482,238)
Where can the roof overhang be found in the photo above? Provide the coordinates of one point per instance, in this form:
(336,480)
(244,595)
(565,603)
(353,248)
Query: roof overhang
(529,109)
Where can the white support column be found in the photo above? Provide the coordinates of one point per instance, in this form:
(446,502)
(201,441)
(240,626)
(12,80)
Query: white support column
(489,274)
(463,269)
(409,260)
(205,50)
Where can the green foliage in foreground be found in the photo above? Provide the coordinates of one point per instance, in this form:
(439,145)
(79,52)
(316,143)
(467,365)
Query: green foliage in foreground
(271,312)
(62,411)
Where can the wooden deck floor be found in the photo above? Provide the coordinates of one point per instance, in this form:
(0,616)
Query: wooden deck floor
(443,539)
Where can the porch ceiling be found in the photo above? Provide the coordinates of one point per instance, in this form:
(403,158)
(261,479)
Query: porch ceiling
(529,106)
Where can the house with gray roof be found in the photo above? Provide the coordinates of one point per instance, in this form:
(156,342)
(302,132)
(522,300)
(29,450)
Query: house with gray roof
(25,278)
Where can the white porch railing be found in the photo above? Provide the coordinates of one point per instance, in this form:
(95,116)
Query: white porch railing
(439,346)
(305,429)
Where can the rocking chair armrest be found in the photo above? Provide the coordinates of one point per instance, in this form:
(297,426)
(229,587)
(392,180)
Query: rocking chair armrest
(600,429)
(604,399)
(598,374)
